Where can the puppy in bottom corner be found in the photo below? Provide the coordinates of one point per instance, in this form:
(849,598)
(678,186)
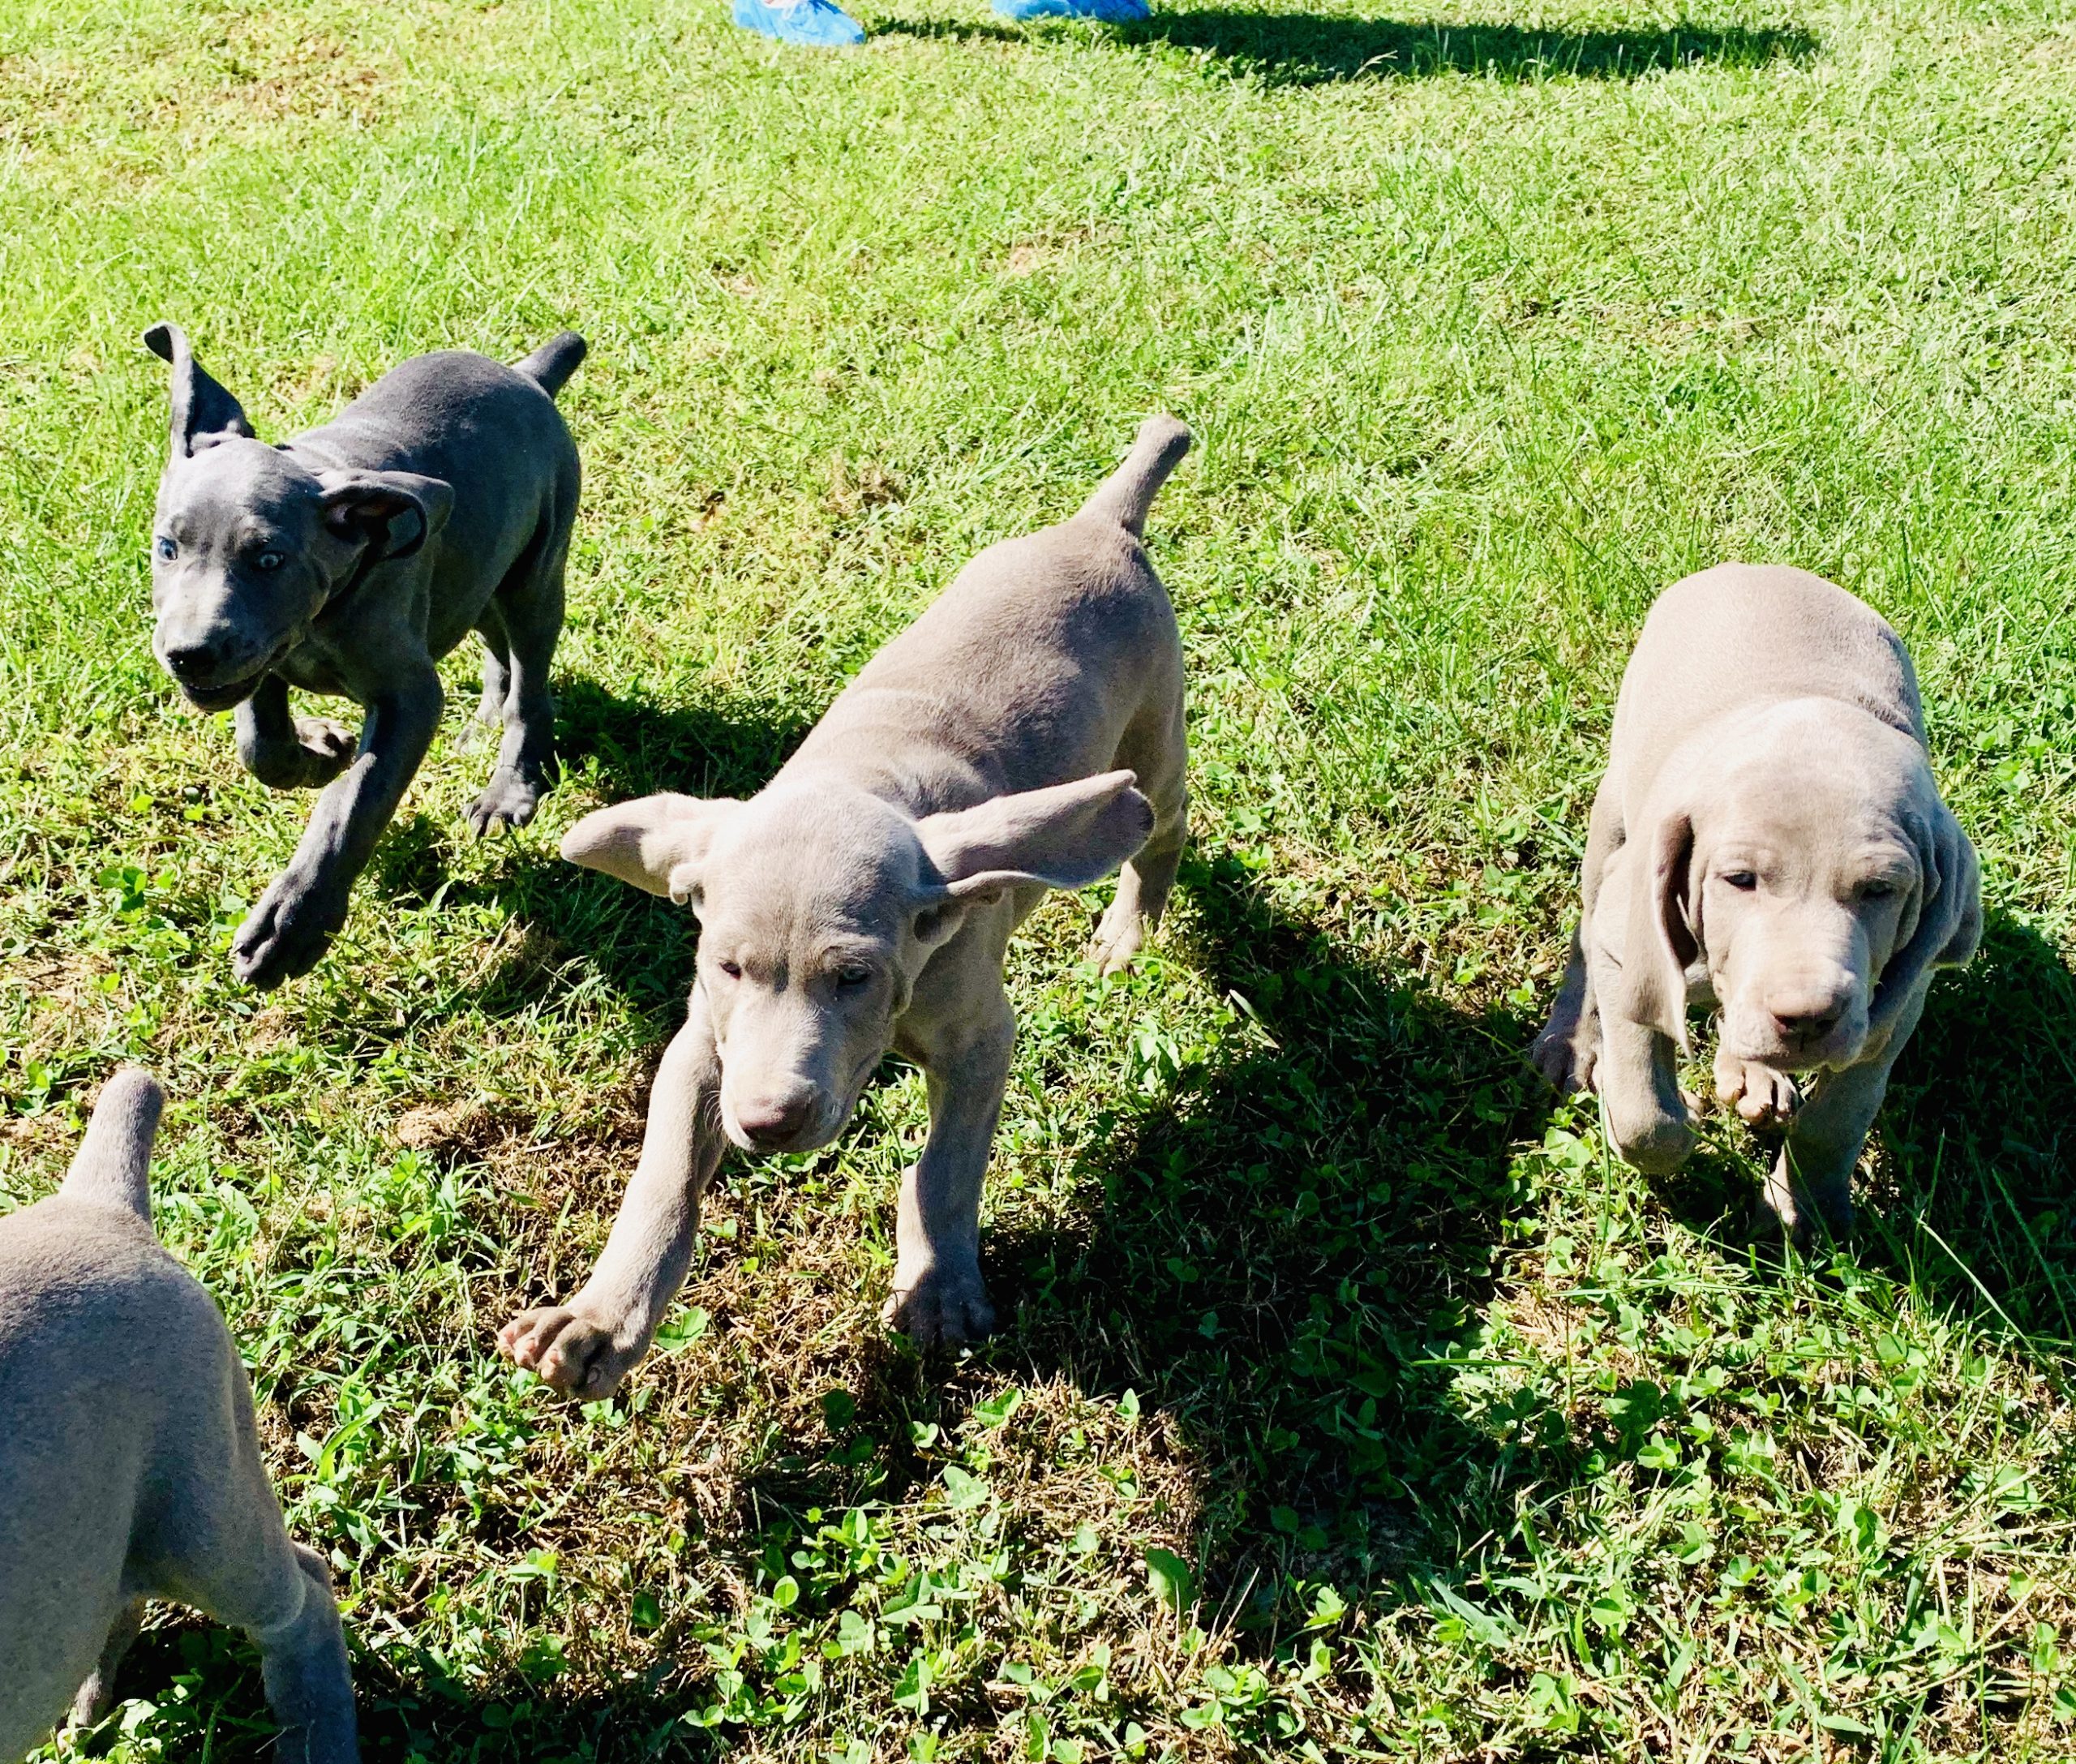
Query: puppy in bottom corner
(129,1467)
(1024,734)
(1768,841)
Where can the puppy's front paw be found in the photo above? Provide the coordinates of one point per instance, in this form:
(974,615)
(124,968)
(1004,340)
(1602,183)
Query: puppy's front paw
(941,1306)
(1801,1212)
(1118,939)
(328,747)
(1568,1055)
(285,933)
(1761,1096)
(509,798)
(577,1356)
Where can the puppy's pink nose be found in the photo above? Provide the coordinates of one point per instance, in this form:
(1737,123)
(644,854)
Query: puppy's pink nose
(1801,1018)
(772,1120)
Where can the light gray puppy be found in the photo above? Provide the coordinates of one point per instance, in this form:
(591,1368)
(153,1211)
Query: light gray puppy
(1024,734)
(1769,841)
(349,560)
(129,1465)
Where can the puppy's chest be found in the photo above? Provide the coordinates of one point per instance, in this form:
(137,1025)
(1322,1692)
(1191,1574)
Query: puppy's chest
(309,669)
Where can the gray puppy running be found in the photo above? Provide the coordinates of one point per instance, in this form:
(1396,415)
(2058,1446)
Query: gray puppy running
(1024,734)
(1768,841)
(348,561)
(129,1464)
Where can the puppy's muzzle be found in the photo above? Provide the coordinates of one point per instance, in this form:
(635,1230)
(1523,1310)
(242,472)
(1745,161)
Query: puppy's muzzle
(209,678)
(1802,1026)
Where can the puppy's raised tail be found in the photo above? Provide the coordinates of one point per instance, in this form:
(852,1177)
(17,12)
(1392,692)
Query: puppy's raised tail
(1128,493)
(554,362)
(112,1167)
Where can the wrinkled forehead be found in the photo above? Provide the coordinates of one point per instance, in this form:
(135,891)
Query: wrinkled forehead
(1807,812)
(232,476)
(806,867)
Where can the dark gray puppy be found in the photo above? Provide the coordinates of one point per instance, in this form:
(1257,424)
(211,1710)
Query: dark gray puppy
(349,560)
(129,1467)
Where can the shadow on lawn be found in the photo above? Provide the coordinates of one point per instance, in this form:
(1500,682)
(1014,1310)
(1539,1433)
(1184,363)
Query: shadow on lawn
(644,945)
(1286,1246)
(1973,1155)
(1309,48)
(1313,48)
(1978,1141)
(409,1709)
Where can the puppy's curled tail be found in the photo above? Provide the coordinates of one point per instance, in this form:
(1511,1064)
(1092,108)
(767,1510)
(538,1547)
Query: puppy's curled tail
(1128,493)
(112,1167)
(554,362)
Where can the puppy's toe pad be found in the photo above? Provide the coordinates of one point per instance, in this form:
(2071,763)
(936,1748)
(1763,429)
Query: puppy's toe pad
(509,798)
(1761,1096)
(570,1352)
(1114,947)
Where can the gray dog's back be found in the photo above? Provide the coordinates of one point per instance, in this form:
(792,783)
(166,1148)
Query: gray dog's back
(1741,635)
(91,1308)
(1028,669)
(480,426)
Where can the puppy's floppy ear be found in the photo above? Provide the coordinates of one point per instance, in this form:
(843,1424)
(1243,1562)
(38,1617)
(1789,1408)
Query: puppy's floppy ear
(203,412)
(1658,940)
(657,843)
(395,512)
(1942,926)
(1063,836)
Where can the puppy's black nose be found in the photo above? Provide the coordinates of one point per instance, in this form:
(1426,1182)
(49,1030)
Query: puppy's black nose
(773,1121)
(192,662)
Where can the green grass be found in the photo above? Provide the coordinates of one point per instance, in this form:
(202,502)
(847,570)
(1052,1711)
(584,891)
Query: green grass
(1349,1397)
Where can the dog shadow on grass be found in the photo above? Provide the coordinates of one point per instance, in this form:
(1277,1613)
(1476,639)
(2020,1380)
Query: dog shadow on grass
(634,747)
(1976,1146)
(1316,49)
(1286,1252)
(1965,1194)
(1289,1247)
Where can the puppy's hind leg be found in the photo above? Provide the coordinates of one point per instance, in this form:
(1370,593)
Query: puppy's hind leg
(497,668)
(221,1546)
(529,607)
(303,1665)
(96,1697)
(1144,881)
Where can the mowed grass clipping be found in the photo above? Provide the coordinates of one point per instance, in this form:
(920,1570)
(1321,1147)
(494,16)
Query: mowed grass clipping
(1351,1401)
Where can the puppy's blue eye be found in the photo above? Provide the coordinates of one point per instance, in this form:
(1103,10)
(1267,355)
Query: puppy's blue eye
(1743,880)
(168,550)
(267,560)
(850,978)
(1876,890)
